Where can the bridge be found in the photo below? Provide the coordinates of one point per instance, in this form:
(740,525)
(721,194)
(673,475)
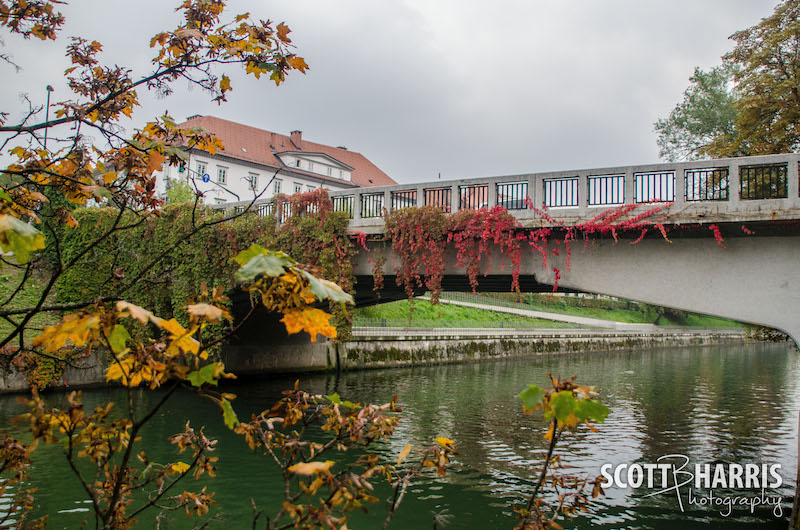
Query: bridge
(753,203)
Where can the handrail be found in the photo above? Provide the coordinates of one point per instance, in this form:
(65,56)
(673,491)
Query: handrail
(723,186)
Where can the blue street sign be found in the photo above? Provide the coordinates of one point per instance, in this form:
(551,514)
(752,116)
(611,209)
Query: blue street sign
(206,177)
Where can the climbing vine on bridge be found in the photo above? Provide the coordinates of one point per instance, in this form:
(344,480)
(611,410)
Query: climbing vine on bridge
(418,237)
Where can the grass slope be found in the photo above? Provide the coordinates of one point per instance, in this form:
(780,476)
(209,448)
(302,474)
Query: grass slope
(617,310)
(445,315)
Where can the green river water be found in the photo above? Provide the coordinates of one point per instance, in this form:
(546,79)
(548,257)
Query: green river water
(715,405)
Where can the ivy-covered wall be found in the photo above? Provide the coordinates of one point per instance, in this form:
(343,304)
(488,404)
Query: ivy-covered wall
(317,239)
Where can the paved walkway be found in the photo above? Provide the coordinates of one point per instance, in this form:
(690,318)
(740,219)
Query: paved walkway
(373,333)
(582,321)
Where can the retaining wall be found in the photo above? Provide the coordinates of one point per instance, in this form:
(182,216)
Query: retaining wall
(390,347)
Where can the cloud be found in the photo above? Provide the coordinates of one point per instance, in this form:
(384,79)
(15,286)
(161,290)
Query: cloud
(459,87)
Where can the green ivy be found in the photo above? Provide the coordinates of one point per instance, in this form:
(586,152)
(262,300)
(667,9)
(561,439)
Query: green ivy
(319,241)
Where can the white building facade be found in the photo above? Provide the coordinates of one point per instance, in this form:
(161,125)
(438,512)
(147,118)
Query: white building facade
(260,163)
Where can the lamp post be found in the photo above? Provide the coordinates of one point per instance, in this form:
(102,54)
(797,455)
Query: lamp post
(47,114)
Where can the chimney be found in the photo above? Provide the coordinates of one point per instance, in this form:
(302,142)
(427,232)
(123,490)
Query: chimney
(297,138)
(273,141)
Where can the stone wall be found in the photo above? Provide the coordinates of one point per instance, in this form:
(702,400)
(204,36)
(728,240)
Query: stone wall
(419,349)
(388,347)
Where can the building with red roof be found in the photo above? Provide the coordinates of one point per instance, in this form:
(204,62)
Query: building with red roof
(256,161)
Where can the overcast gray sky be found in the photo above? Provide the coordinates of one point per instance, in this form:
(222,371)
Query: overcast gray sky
(422,87)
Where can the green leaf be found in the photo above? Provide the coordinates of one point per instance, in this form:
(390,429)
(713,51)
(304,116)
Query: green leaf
(231,420)
(323,289)
(5,196)
(530,397)
(118,337)
(562,404)
(246,255)
(203,375)
(103,193)
(19,237)
(272,264)
(592,410)
(336,399)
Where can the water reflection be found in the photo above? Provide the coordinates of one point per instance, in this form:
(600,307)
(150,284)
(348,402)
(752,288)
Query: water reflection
(722,404)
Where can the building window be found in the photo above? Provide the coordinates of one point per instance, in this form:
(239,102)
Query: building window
(311,188)
(311,166)
(297,162)
(219,201)
(330,171)
(201,169)
(341,175)
(298,187)
(222,175)
(252,180)
(276,188)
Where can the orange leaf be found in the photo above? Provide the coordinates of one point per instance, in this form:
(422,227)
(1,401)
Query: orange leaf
(309,319)
(298,63)
(283,32)
(155,162)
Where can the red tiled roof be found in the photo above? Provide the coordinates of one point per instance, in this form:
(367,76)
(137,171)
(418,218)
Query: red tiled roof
(260,147)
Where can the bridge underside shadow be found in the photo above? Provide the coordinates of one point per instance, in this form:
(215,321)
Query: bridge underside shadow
(753,279)
(366,294)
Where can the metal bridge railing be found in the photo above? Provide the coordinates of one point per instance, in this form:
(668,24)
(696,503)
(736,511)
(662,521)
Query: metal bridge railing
(758,185)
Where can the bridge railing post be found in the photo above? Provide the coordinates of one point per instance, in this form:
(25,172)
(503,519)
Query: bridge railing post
(387,201)
(356,205)
(492,193)
(793,188)
(455,197)
(420,196)
(583,194)
(629,192)
(680,185)
(533,190)
(733,185)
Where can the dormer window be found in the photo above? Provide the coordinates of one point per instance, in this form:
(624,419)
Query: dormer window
(319,163)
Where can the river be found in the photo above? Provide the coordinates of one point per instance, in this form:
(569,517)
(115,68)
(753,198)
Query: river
(716,405)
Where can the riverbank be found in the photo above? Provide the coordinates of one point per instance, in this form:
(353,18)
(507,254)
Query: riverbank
(383,348)
(397,347)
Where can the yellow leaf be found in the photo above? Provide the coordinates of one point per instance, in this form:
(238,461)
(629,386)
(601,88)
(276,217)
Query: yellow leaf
(403,454)
(181,338)
(311,468)
(173,326)
(225,83)
(78,328)
(445,442)
(180,467)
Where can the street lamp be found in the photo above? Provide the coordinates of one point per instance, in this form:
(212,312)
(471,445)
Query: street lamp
(47,114)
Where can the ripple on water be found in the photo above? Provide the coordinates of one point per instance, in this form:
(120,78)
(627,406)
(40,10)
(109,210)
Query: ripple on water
(727,404)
